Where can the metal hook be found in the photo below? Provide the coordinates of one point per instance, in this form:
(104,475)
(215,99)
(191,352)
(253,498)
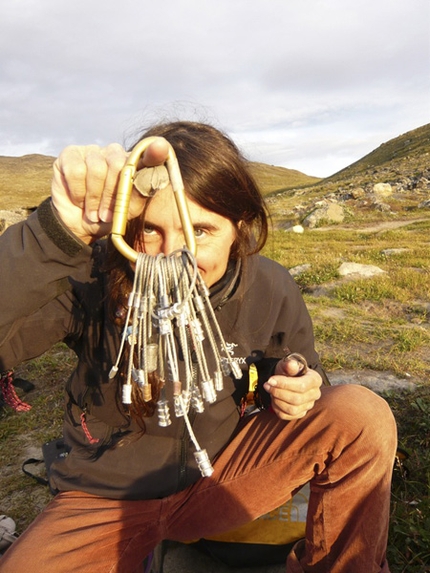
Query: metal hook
(125,187)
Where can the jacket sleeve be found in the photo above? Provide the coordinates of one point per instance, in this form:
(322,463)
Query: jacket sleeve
(292,329)
(39,258)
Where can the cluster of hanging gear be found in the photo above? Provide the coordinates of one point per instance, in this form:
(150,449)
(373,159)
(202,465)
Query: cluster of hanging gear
(169,314)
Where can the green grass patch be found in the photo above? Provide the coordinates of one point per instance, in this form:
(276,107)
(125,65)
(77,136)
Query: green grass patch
(409,539)
(376,290)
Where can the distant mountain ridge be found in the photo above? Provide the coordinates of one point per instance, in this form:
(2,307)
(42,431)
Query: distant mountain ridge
(25,181)
(411,146)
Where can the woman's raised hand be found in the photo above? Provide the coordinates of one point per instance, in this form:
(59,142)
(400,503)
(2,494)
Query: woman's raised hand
(85,182)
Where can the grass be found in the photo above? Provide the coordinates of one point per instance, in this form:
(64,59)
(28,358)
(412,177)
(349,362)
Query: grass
(22,435)
(24,181)
(409,547)
(381,323)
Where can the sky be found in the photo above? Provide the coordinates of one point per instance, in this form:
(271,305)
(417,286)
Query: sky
(312,85)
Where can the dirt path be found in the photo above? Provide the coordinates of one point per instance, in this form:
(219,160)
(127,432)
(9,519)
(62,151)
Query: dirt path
(374,228)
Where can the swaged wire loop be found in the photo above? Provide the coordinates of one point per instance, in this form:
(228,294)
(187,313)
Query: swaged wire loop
(169,316)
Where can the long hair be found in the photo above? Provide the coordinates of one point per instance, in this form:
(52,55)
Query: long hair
(216,176)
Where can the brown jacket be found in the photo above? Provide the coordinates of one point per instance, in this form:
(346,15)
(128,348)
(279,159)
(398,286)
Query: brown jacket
(53,289)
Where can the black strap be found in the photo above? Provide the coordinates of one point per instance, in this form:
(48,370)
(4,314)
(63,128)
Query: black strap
(34,461)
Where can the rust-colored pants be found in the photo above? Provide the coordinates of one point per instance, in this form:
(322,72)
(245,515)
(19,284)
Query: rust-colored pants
(345,447)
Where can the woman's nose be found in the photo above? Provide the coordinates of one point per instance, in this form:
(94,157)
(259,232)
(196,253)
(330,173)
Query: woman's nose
(172,242)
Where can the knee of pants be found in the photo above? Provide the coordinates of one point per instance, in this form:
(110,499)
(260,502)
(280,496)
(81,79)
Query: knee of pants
(368,416)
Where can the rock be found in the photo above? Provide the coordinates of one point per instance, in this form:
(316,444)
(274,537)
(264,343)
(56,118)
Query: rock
(346,269)
(382,190)
(358,193)
(332,212)
(298,229)
(390,252)
(321,204)
(299,270)
(8,218)
(377,381)
(383,207)
(335,213)
(310,221)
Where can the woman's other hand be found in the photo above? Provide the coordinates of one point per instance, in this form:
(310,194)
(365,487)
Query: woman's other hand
(292,393)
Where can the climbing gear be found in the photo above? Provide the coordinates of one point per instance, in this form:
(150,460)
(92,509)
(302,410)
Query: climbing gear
(299,358)
(125,187)
(169,297)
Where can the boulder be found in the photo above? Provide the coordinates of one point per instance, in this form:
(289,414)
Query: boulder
(382,190)
(299,269)
(346,269)
(358,193)
(298,229)
(332,212)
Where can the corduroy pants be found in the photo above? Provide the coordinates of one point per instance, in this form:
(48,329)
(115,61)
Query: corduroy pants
(344,446)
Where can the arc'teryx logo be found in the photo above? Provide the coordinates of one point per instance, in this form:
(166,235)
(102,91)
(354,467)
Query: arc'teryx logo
(230,349)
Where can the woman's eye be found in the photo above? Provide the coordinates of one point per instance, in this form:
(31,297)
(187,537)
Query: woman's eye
(148,230)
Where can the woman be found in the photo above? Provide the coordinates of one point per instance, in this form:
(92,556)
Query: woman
(129,483)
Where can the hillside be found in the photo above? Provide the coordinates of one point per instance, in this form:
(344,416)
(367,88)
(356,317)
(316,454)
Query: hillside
(271,178)
(401,165)
(405,151)
(25,181)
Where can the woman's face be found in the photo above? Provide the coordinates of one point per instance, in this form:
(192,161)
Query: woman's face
(214,233)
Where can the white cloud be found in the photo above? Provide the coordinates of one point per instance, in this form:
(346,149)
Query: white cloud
(309,84)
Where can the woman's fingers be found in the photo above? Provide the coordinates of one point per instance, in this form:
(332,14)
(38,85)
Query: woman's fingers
(291,396)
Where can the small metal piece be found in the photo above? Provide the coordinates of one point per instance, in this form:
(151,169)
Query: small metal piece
(165,326)
(177,388)
(179,406)
(151,357)
(301,361)
(138,376)
(225,366)
(126,394)
(147,392)
(218,381)
(131,336)
(163,413)
(203,463)
(186,399)
(236,371)
(208,391)
(197,401)
(113,372)
(198,330)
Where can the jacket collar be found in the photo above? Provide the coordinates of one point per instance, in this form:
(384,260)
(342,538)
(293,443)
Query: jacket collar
(237,278)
